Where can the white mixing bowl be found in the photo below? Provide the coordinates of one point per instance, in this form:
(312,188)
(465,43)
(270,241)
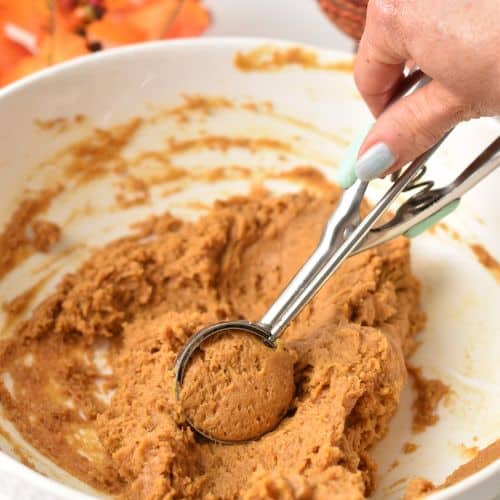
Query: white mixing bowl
(315,112)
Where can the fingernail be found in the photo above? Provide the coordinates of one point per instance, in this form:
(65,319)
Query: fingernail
(374,162)
(346,176)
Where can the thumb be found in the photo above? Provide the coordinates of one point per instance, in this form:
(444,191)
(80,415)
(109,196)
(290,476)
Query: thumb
(407,128)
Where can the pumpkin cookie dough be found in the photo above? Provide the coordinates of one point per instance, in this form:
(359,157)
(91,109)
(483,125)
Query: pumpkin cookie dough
(88,379)
(236,388)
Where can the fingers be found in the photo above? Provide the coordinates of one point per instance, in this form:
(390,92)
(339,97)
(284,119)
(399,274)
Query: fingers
(414,123)
(407,128)
(380,59)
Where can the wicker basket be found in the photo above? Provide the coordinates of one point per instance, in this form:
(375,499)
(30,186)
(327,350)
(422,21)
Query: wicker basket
(348,15)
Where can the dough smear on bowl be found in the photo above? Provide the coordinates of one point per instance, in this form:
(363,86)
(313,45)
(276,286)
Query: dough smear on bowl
(91,372)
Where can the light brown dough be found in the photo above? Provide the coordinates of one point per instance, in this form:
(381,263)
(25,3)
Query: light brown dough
(143,296)
(236,388)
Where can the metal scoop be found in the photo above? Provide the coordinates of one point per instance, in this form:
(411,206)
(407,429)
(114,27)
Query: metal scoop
(345,234)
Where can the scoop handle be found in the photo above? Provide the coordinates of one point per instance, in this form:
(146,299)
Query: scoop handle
(341,235)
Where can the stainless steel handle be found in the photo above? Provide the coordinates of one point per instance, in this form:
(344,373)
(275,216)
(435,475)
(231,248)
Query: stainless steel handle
(300,289)
(482,166)
(334,247)
(419,208)
(341,235)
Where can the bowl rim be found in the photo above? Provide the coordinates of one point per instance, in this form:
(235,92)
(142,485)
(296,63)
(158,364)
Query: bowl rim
(183,44)
(38,481)
(215,42)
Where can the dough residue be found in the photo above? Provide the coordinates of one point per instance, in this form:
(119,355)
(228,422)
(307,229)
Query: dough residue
(420,487)
(429,394)
(92,369)
(409,448)
(273,58)
(24,234)
(483,458)
(46,235)
(486,260)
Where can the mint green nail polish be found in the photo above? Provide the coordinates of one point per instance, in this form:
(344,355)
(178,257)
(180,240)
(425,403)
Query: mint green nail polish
(346,175)
(433,219)
(374,162)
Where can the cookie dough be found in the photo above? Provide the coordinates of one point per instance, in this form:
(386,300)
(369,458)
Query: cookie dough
(88,379)
(236,388)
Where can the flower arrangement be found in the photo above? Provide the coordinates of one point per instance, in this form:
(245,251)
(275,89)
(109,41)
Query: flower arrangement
(39,33)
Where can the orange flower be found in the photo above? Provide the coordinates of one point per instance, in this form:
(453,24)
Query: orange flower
(33,16)
(10,52)
(33,36)
(192,20)
(59,47)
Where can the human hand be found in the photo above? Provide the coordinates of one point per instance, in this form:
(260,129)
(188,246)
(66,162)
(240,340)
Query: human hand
(457,43)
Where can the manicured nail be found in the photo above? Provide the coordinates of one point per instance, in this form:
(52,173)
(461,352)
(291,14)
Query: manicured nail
(374,162)
(346,176)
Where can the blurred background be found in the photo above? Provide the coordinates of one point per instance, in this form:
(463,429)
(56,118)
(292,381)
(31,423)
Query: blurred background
(38,33)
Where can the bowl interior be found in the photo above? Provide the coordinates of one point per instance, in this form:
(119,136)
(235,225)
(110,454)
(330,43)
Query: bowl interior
(195,128)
